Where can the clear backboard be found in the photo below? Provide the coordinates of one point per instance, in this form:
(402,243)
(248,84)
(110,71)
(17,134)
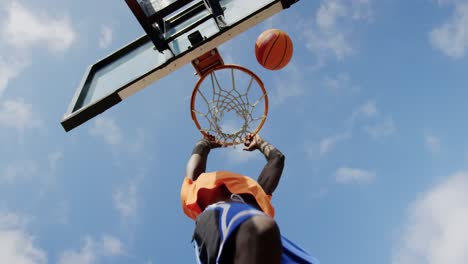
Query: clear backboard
(178,32)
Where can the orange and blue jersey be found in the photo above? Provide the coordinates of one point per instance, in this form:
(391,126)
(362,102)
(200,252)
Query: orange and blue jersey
(234,214)
(235,183)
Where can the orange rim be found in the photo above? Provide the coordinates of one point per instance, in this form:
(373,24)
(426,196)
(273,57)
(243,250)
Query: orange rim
(221,67)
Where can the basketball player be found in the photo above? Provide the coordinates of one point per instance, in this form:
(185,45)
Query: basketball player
(233,213)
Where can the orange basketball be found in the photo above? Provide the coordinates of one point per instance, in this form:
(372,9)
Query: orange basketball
(273,49)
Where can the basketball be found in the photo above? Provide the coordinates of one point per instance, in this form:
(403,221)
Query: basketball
(273,49)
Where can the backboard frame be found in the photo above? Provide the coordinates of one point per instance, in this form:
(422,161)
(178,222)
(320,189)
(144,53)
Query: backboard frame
(77,114)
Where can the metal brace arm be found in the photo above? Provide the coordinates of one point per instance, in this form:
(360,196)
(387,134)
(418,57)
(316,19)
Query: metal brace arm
(153,31)
(217,11)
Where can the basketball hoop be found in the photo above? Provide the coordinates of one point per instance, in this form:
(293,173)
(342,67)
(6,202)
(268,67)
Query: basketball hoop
(229,103)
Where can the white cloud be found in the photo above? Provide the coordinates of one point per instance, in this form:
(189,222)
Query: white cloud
(361,10)
(329,12)
(18,114)
(330,37)
(132,144)
(383,128)
(237,154)
(126,199)
(322,43)
(371,121)
(18,170)
(366,110)
(10,220)
(432,143)
(327,144)
(111,246)
(291,84)
(452,36)
(106,37)
(331,33)
(365,118)
(353,175)
(340,83)
(92,251)
(317,194)
(106,128)
(436,226)
(86,255)
(16,245)
(24,28)
(137,145)
(10,69)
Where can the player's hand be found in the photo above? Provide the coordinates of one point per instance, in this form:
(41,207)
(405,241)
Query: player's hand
(211,141)
(252,142)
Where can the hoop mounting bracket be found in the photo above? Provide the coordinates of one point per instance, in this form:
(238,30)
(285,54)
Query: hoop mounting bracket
(207,61)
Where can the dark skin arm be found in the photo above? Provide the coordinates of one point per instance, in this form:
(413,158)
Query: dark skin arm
(269,177)
(197,162)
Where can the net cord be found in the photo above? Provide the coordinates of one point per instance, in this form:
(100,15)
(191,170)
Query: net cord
(224,100)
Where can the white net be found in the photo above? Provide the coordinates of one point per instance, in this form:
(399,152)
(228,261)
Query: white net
(230,104)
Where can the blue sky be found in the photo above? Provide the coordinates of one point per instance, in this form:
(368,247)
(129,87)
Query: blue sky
(370,113)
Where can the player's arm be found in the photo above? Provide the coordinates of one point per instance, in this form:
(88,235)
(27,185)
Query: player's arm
(197,162)
(270,176)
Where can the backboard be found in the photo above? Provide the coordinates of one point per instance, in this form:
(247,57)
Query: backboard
(178,32)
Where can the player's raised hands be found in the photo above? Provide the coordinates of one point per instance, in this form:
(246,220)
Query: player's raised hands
(253,142)
(210,141)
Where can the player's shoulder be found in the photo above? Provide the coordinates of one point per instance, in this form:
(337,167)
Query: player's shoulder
(221,174)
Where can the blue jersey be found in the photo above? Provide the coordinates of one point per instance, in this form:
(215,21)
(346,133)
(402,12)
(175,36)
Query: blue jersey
(228,216)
